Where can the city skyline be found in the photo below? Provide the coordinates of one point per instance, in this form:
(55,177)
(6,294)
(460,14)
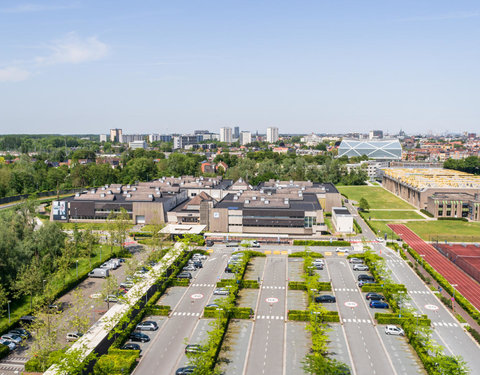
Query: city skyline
(172,68)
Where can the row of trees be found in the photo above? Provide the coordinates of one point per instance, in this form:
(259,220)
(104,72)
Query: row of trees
(469,165)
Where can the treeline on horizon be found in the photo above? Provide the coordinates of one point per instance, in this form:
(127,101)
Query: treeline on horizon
(470,164)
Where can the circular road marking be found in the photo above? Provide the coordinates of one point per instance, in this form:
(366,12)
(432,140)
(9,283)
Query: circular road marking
(197,296)
(351,304)
(431,307)
(271,300)
(96,295)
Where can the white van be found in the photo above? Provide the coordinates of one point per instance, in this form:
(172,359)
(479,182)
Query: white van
(99,272)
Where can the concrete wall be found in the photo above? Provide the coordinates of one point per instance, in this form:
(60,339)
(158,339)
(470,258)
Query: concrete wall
(342,223)
(218,220)
(153,212)
(332,200)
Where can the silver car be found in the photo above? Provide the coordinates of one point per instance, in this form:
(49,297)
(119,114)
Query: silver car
(360,267)
(12,337)
(11,345)
(221,292)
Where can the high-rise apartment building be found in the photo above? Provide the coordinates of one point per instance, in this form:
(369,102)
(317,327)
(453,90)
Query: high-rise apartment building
(272,135)
(245,138)
(185,140)
(226,135)
(236,132)
(115,135)
(159,137)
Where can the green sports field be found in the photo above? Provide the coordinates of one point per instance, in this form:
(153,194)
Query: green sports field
(376,197)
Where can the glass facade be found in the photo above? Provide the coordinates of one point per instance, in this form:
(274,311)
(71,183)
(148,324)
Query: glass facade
(384,150)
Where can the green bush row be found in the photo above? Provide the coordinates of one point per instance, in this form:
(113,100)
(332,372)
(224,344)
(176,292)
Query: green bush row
(305,315)
(357,227)
(297,285)
(160,310)
(241,313)
(378,288)
(425,212)
(179,282)
(249,284)
(474,333)
(453,218)
(301,254)
(320,243)
(389,318)
(4,351)
(116,362)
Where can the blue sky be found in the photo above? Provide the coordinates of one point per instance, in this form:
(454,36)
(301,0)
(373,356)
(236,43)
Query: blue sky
(174,66)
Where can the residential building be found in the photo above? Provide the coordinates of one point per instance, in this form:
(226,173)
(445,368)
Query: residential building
(103,137)
(127,138)
(181,141)
(375,134)
(159,138)
(311,140)
(137,144)
(245,138)
(226,135)
(115,135)
(272,135)
(236,132)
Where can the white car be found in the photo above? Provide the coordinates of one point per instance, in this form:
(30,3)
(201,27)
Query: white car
(221,292)
(190,267)
(380,239)
(12,337)
(360,267)
(342,250)
(394,330)
(73,336)
(199,256)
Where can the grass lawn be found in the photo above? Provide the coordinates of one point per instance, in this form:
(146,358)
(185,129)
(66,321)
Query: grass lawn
(393,215)
(94,226)
(376,197)
(151,227)
(446,230)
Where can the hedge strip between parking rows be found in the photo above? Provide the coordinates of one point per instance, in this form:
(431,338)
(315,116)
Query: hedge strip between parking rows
(305,315)
(320,243)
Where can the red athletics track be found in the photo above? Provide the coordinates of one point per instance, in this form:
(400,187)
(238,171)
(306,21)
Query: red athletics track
(468,287)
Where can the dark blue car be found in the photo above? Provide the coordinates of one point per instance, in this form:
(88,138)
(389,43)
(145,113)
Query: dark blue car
(378,305)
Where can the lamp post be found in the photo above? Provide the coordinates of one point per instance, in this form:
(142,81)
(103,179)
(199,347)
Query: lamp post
(76,266)
(44,281)
(453,298)
(8,303)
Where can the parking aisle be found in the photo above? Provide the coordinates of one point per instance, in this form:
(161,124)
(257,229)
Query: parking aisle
(167,348)
(267,343)
(369,355)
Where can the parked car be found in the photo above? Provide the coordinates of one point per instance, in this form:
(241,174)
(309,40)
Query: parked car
(250,243)
(318,266)
(21,332)
(99,272)
(10,344)
(12,337)
(28,319)
(184,275)
(131,346)
(127,284)
(360,267)
(394,330)
(199,256)
(185,370)
(111,298)
(374,296)
(190,267)
(139,336)
(342,249)
(213,305)
(140,274)
(364,276)
(378,305)
(198,264)
(210,243)
(356,260)
(325,299)
(194,348)
(147,325)
(232,244)
(380,239)
(221,292)
(73,336)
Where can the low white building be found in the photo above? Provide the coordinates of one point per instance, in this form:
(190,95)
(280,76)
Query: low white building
(342,220)
(137,144)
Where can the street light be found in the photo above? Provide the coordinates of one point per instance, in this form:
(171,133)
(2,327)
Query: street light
(76,266)
(44,281)
(8,303)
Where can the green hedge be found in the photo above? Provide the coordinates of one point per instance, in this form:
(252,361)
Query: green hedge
(320,243)
(241,313)
(453,218)
(297,285)
(390,318)
(4,351)
(372,288)
(425,212)
(302,254)
(160,310)
(211,312)
(116,362)
(34,365)
(304,316)
(357,227)
(249,284)
(179,282)
(250,253)
(474,333)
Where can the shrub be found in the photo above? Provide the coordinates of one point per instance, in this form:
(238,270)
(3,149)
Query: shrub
(453,218)
(302,254)
(249,284)
(390,318)
(320,243)
(160,310)
(372,288)
(357,227)
(304,316)
(241,313)
(474,333)
(179,282)
(4,351)
(297,285)
(116,362)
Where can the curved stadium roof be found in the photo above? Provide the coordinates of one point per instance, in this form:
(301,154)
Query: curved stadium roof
(384,149)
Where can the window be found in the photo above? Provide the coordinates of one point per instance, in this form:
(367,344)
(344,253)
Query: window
(440,213)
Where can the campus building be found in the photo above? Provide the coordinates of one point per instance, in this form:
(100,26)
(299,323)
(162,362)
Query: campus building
(417,186)
(375,149)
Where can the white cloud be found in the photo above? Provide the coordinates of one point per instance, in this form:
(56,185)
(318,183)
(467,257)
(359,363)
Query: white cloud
(13,74)
(74,50)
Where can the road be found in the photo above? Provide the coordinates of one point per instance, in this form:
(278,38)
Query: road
(367,349)
(447,330)
(266,352)
(165,351)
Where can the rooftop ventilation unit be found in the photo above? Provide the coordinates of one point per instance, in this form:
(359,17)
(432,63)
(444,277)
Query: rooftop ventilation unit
(285,201)
(134,189)
(129,195)
(269,193)
(262,198)
(247,201)
(109,192)
(262,191)
(103,188)
(92,191)
(77,194)
(102,195)
(254,198)
(267,201)
(150,196)
(235,197)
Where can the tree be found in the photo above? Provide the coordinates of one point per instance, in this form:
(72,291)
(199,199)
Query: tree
(118,227)
(29,281)
(77,319)
(90,239)
(3,299)
(110,286)
(363,204)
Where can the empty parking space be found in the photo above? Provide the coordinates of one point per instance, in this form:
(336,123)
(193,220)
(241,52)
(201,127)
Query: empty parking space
(248,298)
(337,346)
(295,269)
(298,343)
(199,336)
(235,347)
(172,296)
(297,300)
(255,268)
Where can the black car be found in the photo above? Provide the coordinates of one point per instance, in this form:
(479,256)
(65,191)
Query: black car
(131,346)
(198,264)
(139,336)
(28,319)
(185,370)
(325,299)
(364,277)
(184,275)
(374,296)
(210,243)
(23,333)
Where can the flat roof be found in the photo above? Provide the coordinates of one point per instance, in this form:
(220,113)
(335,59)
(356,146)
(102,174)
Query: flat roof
(183,229)
(341,211)
(424,178)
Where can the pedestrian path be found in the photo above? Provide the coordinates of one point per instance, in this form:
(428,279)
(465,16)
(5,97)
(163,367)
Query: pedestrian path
(444,324)
(270,317)
(177,313)
(345,290)
(350,320)
(203,285)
